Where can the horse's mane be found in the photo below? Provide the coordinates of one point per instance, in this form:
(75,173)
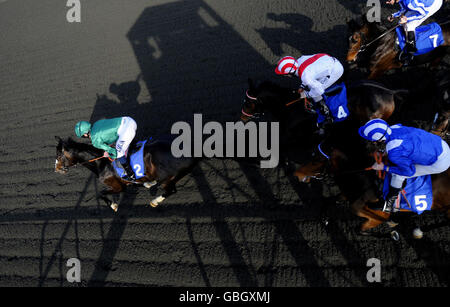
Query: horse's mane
(74,146)
(385,45)
(272,86)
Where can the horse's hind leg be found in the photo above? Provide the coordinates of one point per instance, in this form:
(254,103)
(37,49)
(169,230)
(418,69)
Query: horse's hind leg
(169,186)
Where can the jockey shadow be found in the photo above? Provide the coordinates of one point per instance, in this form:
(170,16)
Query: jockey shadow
(299,35)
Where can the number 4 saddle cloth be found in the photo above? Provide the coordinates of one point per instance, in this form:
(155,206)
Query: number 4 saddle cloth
(336,99)
(136,162)
(417,196)
(428,37)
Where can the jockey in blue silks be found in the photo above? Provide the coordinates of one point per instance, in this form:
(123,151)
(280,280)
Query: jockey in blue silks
(411,153)
(412,14)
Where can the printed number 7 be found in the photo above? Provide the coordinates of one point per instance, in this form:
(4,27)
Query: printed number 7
(434,38)
(421,202)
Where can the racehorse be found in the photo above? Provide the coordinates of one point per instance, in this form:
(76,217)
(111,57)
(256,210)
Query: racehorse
(366,100)
(350,169)
(161,167)
(379,50)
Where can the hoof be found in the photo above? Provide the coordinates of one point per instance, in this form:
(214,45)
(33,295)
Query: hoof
(394,235)
(154,203)
(417,233)
(148,185)
(391,224)
(115,207)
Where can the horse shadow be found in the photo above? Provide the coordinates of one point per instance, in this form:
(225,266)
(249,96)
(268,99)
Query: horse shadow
(299,35)
(192,61)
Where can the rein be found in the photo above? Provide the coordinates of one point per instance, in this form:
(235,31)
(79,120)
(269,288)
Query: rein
(364,47)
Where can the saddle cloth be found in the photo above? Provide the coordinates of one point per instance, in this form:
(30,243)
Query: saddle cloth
(428,37)
(336,99)
(136,161)
(418,192)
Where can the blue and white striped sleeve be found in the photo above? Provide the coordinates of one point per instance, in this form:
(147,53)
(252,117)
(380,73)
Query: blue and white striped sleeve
(418,9)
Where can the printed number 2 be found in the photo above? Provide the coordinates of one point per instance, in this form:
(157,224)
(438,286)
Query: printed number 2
(137,170)
(421,202)
(434,38)
(341,112)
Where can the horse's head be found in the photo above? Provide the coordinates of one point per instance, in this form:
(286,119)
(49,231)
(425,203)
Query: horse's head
(316,168)
(359,34)
(253,106)
(65,157)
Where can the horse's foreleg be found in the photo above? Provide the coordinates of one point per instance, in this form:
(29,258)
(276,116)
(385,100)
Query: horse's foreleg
(169,189)
(114,203)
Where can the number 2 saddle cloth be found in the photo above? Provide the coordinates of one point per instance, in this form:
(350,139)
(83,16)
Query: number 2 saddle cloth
(136,161)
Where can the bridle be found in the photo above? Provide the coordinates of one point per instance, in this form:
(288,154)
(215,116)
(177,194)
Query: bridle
(258,105)
(65,167)
(364,47)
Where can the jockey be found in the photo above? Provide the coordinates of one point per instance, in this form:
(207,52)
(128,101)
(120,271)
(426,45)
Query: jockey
(316,73)
(103,133)
(411,152)
(412,14)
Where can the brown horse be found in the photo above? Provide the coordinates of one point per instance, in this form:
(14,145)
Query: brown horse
(378,51)
(357,182)
(366,100)
(161,167)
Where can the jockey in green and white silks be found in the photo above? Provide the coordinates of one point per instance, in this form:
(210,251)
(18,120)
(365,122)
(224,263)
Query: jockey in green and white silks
(105,132)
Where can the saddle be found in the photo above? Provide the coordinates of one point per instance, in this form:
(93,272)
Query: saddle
(136,156)
(428,37)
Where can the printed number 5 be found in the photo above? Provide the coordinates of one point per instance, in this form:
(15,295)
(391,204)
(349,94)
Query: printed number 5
(137,169)
(434,38)
(421,203)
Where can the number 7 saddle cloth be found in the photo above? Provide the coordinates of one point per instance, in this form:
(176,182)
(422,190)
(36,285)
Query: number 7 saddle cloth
(428,37)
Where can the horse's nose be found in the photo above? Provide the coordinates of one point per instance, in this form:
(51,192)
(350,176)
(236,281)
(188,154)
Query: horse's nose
(244,118)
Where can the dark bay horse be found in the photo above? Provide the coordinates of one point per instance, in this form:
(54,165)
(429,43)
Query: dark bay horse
(161,167)
(366,100)
(349,165)
(382,54)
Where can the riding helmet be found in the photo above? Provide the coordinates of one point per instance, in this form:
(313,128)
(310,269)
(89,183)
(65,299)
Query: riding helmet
(82,127)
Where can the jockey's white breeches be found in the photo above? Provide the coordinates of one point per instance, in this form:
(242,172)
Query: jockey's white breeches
(413,24)
(441,165)
(126,132)
(319,87)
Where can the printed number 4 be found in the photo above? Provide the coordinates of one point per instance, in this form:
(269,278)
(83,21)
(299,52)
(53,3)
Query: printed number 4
(434,38)
(421,202)
(341,112)
(137,170)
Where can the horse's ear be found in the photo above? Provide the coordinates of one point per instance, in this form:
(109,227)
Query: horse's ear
(353,25)
(58,139)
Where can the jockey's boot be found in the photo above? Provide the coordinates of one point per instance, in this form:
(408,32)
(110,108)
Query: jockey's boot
(128,170)
(325,110)
(391,198)
(410,48)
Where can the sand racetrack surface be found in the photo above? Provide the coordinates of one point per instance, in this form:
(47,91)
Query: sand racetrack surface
(230,224)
